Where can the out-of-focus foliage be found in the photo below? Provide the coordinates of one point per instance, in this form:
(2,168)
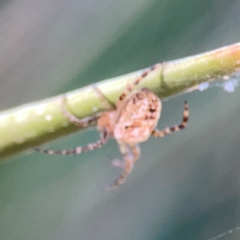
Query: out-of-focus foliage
(185,186)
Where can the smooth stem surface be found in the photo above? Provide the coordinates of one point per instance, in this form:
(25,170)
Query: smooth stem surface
(39,122)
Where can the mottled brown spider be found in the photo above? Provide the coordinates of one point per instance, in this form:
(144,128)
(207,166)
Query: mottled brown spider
(132,121)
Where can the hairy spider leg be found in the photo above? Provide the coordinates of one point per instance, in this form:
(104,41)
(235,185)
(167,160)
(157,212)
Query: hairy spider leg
(105,102)
(135,151)
(73,119)
(78,150)
(130,87)
(127,164)
(80,123)
(168,130)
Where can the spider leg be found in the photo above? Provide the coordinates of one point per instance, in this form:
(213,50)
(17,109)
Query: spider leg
(130,87)
(127,165)
(136,151)
(73,119)
(182,125)
(124,149)
(78,150)
(106,103)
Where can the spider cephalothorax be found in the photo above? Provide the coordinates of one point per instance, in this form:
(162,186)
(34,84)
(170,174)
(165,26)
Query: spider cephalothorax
(133,120)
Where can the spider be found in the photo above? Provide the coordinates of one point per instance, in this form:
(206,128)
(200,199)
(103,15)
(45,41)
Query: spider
(133,120)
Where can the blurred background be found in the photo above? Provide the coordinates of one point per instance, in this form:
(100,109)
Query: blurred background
(185,186)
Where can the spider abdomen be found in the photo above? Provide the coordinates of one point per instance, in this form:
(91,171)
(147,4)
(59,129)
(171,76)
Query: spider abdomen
(138,117)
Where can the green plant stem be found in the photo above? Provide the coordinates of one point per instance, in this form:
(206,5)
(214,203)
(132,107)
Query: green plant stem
(39,122)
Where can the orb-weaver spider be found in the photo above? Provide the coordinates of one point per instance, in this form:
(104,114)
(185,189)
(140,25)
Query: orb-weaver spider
(133,120)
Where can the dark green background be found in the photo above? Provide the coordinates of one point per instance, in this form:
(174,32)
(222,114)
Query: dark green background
(184,187)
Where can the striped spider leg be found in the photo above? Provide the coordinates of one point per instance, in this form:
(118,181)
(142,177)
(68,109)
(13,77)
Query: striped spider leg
(132,121)
(80,123)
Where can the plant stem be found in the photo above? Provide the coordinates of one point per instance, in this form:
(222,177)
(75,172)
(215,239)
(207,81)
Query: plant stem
(39,122)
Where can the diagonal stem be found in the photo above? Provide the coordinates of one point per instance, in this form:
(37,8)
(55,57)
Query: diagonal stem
(39,122)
